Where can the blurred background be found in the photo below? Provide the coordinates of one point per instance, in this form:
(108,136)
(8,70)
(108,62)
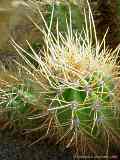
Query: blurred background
(14,21)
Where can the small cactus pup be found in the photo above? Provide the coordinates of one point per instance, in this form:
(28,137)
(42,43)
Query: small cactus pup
(19,101)
(81,86)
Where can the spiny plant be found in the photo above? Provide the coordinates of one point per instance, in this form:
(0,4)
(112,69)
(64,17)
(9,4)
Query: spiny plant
(78,83)
(19,98)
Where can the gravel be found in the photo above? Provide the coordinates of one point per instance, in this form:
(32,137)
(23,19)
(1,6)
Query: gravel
(14,146)
(37,152)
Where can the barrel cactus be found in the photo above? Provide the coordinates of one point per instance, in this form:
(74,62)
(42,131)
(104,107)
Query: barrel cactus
(83,93)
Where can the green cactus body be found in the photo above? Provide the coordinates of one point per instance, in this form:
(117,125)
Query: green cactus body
(21,97)
(87,106)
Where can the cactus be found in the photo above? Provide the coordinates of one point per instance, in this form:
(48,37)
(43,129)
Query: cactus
(83,99)
(81,79)
(20,101)
(78,87)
